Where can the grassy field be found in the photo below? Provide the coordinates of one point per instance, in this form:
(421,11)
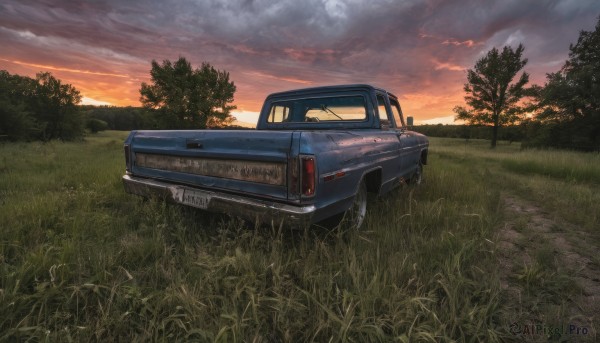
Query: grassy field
(81,260)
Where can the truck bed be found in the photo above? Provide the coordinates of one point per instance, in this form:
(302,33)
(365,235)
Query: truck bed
(250,162)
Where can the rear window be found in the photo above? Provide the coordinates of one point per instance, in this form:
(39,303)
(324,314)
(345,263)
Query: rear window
(315,110)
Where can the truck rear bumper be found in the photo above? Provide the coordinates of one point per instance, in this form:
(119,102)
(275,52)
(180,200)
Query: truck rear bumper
(255,210)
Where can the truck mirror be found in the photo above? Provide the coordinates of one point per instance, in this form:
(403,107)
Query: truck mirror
(409,121)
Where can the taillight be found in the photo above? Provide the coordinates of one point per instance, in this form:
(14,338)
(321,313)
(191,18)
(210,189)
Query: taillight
(127,157)
(308,176)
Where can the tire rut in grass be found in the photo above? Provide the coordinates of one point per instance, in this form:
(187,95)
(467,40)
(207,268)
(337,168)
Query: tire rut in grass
(534,249)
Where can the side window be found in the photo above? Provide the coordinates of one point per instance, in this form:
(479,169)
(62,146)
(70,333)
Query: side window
(278,114)
(383,116)
(396,112)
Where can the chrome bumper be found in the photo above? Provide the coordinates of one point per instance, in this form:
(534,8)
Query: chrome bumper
(258,211)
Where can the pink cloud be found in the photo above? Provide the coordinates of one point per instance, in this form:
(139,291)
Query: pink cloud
(282,78)
(468,43)
(69,70)
(447,66)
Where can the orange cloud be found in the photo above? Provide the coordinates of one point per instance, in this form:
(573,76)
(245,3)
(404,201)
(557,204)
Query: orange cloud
(450,41)
(282,78)
(447,66)
(468,43)
(101,87)
(89,101)
(70,70)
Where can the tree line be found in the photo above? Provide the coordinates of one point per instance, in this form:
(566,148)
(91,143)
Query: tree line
(39,108)
(563,113)
(120,118)
(512,133)
(43,108)
(179,97)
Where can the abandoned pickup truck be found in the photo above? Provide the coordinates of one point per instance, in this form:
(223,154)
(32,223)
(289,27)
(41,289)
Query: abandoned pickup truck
(315,154)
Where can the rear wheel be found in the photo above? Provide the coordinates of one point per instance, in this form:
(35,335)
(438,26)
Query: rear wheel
(417,177)
(355,215)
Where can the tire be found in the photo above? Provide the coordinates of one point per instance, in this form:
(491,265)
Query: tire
(417,177)
(355,215)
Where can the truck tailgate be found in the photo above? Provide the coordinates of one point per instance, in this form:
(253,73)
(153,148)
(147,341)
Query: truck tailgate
(249,162)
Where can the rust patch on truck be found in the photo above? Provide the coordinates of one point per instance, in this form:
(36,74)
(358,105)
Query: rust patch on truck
(271,173)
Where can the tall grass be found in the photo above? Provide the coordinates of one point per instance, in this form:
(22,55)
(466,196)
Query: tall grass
(82,260)
(561,186)
(563,165)
(566,183)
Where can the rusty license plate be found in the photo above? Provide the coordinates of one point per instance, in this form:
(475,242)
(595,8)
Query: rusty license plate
(195,198)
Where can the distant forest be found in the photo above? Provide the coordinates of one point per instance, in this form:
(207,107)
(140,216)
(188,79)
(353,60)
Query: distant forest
(513,133)
(129,118)
(531,134)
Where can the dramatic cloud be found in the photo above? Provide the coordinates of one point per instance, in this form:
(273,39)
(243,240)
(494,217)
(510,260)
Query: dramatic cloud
(419,50)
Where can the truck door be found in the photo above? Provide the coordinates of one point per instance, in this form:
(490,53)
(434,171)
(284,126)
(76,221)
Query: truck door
(391,165)
(409,154)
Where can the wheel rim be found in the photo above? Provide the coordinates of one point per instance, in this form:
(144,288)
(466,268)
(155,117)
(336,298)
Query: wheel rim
(418,177)
(358,211)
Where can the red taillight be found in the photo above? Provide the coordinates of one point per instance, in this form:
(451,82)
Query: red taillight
(308,176)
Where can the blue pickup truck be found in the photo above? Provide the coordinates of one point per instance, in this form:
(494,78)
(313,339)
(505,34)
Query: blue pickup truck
(315,154)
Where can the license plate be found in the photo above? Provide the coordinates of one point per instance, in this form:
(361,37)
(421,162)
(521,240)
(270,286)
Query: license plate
(195,198)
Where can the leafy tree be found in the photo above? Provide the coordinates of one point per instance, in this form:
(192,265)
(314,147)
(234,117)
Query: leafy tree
(96,125)
(41,108)
(493,100)
(186,97)
(56,108)
(570,99)
(16,122)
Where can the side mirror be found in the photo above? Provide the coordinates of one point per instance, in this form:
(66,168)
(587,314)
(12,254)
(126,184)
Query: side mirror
(409,121)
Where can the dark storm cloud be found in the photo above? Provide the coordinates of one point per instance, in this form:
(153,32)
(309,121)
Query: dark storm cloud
(546,28)
(418,49)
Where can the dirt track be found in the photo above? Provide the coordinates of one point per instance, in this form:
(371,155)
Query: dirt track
(544,264)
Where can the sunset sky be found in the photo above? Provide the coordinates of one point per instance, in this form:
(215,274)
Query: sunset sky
(417,49)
